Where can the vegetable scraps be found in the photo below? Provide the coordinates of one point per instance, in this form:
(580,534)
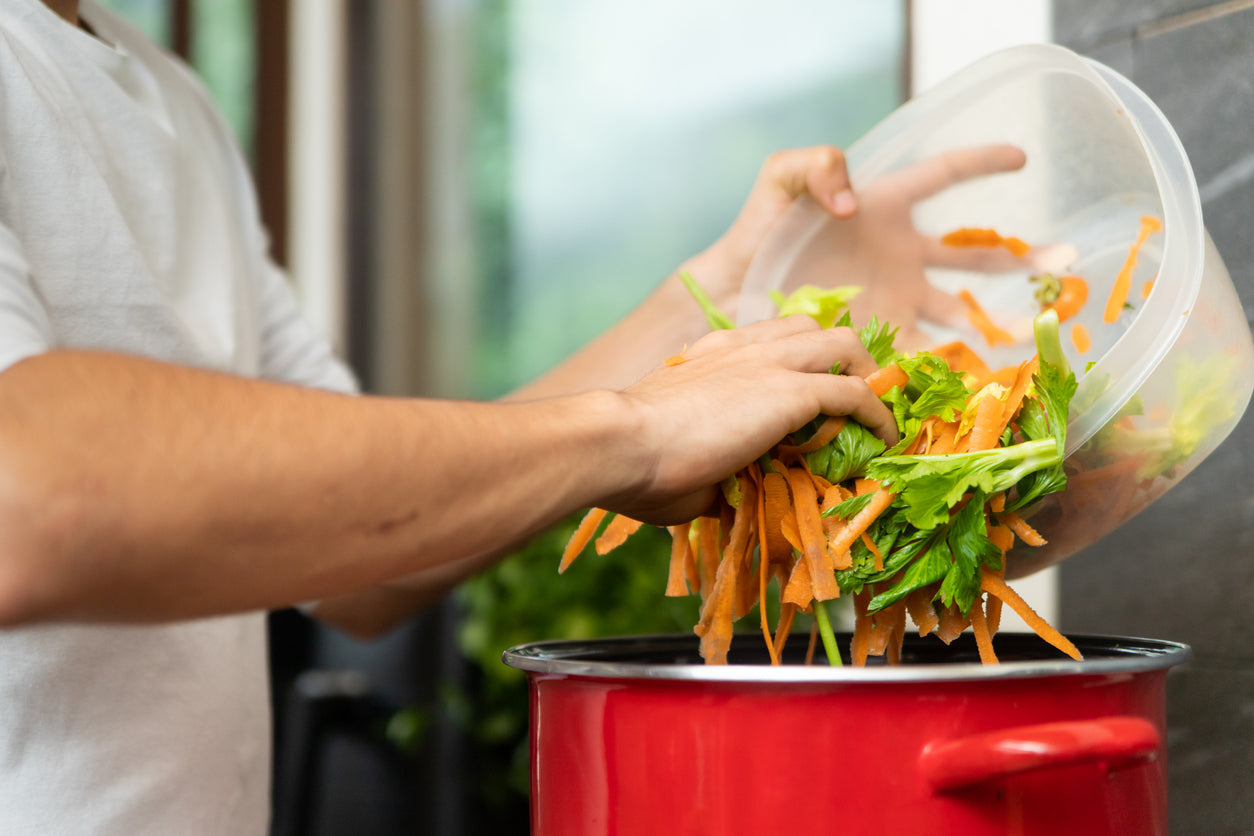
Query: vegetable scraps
(982,322)
(1118,298)
(919,530)
(1066,294)
(975,237)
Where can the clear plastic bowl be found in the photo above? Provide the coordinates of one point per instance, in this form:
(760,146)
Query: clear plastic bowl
(1162,386)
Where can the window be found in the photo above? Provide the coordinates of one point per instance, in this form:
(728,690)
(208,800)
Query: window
(613,140)
(220,46)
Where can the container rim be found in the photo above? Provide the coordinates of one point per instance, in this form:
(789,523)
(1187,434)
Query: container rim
(609,658)
(874,154)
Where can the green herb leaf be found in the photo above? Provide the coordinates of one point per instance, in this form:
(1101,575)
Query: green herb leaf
(934,564)
(823,304)
(847,454)
(850,507)
(930,485)
(878,340)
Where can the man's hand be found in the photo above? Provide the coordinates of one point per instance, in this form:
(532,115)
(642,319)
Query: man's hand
(736,394)
(818,172)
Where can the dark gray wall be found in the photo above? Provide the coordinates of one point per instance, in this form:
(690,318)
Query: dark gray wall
(1184,569)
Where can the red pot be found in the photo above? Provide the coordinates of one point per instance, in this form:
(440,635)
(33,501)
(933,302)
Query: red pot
(635,736)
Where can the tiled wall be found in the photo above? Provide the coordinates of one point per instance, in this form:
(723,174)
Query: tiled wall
(1184,569)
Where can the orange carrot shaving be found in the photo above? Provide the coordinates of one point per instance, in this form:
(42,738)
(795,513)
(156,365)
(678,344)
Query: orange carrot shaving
(1005,375)
(888,631)
(874,550)
(922,613)
(1064,295)
(616,533)
(776,509)
(1080,338)
(707,552)
(810,526)
(676,359)
(1025,532)
(862,520)
(681,559)
(884,380)
(788,528)
(718,613)
(764,568)
(992,614)
(787,613)
(1002,537)
(976,237)
(1147,288)
(951,624)
(981,321)
(986,430)
(993,604)
(923,438)
(582,536)
(1118,297)
(828,430)
(742,552)
(994,585)
(860,645)
(715,625)
(799,591)
(884,628)
(898,635)
(983,637)
(960,358)
(946,438)
(1019,388)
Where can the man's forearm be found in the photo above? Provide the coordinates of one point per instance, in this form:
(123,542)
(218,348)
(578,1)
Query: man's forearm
(136,490)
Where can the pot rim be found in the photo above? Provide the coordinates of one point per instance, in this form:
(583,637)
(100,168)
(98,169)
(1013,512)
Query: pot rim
(608,658)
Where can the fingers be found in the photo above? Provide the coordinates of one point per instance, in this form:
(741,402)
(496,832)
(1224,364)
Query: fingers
(766,330)
(819,170)
(800,344)
(938,173)
(845,395)
(797,342)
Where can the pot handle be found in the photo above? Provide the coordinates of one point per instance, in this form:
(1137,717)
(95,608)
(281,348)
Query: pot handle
(951,765)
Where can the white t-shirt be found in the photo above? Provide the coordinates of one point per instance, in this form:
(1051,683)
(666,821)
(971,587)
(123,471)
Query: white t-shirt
(128,223)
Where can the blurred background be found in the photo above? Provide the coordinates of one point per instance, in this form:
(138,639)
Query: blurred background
(465,191)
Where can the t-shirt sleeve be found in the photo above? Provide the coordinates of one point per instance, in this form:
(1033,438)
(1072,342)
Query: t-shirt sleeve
(291,349)
(25,329)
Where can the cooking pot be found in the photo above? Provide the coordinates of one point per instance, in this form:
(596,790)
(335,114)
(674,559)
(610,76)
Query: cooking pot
(634,735)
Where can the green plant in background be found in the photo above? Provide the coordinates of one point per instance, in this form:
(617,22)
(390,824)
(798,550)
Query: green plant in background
(523,599)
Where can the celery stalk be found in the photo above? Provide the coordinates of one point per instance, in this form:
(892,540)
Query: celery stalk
(826,634)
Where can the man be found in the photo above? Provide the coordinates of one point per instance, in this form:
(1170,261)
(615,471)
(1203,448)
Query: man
(179,452)
(176,455)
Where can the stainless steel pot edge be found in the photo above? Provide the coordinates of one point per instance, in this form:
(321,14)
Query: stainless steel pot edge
(578,658)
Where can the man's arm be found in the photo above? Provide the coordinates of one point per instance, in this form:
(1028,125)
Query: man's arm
(664,324)
(136,490)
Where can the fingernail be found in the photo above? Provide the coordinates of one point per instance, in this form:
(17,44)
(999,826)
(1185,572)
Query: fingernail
(843,203)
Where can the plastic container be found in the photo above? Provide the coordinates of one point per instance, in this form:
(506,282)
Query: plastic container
(1161,386)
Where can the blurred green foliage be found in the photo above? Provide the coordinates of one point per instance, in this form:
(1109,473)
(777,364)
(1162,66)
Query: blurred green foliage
(523,600)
